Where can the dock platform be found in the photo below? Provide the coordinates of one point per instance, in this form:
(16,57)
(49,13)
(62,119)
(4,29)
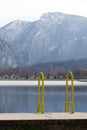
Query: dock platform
(46,121)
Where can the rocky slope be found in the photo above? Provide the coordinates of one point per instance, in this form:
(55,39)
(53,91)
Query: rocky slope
(54,37)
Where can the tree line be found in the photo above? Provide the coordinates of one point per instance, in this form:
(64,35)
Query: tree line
(50,70)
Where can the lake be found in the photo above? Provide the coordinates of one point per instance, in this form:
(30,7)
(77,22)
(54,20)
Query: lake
(20,98)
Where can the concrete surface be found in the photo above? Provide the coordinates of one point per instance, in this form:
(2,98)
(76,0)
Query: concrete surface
(46,121)
(45,116)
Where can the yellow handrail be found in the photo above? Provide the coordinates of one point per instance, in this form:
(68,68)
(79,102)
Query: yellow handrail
(67,103)
(40,76)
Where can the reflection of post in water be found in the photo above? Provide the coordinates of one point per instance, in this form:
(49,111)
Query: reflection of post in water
(67,103)
(39,105)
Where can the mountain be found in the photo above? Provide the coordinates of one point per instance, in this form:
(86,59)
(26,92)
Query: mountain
(60,66)
(54,37)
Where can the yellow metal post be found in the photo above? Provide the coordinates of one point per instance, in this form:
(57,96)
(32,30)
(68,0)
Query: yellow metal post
(39,105)
(67,103)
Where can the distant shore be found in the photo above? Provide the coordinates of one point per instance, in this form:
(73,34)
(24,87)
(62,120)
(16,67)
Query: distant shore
(35,83)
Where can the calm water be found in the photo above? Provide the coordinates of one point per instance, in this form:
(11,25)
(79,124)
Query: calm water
(24,99)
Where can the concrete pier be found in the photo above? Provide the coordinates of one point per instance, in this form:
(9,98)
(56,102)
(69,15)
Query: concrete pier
(46,121)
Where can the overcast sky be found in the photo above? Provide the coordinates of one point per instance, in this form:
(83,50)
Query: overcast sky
(31,10)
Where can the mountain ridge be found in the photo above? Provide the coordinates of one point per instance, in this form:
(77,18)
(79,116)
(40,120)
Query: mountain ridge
(54,37)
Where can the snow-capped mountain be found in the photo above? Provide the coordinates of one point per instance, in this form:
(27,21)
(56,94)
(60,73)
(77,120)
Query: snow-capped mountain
(55,36)
(13,30)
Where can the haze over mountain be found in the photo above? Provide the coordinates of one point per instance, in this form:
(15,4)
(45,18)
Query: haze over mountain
(54,37)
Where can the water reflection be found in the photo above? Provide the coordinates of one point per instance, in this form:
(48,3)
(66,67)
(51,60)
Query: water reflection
(24,99)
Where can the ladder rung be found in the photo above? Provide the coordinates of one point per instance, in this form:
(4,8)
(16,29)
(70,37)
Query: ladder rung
(40,105)
(69,103)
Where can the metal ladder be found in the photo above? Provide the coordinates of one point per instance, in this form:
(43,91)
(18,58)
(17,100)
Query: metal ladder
(67,103)
(40,105)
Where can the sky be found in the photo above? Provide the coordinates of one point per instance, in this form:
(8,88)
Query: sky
(31,10)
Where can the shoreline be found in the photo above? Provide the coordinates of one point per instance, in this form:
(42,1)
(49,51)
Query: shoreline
(35,83)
